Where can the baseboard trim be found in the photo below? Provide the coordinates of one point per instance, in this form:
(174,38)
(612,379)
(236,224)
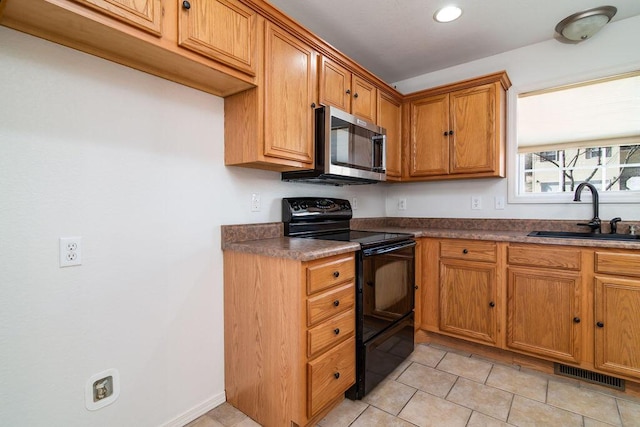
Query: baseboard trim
(197,411)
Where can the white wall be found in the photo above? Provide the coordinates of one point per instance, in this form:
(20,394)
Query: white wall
(613,50)
(134,165)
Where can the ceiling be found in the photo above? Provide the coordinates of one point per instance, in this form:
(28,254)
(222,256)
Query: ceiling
(398,39)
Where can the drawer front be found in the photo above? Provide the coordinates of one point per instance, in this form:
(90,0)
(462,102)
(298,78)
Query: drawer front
(326,274)
(469,250)
(330,303)
(537,256)
(620,264)
(330,375)
(330,333)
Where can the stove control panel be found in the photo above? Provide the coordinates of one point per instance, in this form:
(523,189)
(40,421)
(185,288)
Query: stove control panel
(315,208)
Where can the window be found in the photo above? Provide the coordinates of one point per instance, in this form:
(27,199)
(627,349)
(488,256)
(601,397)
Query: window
(583,132)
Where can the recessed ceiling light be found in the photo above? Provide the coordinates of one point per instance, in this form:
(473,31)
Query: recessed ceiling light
(447,14)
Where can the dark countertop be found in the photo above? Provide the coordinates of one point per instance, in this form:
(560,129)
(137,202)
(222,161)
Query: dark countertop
(509,236)
(293,248)
(267,239)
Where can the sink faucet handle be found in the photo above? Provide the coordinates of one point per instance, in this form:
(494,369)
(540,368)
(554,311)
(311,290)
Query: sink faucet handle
(595,224)
(632,229)
(614,224)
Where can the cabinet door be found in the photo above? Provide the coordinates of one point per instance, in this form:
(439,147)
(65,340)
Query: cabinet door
(428,138)
(364,98)
(223,30)
(473,122)
(543,313)
(143,14)
(617,329)
(468,299)
(335,85)
(390,118)
(290,91)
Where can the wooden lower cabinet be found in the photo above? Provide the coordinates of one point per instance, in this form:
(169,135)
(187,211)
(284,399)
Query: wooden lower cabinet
(289,336)
(617,313)
(544,313)
(467,299)
(545,290)
(468,290)
(578,306)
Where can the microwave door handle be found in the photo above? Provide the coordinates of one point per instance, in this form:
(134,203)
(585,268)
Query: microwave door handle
(378,147)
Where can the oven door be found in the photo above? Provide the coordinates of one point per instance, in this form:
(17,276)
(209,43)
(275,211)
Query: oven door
(388,275)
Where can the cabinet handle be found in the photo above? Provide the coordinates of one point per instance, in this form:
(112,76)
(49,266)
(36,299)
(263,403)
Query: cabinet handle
(576,320)
(450,132)
(492,304)
(415,287)
(446,133)
(336,303)
(186,5)
(600,325)
(355,95)
(336,375)
(336,274)
(465,251)
(313,105)
(336,331)
(348,91)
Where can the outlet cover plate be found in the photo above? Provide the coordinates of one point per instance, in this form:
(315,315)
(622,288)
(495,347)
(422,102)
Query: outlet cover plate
(88,391)
(70,251)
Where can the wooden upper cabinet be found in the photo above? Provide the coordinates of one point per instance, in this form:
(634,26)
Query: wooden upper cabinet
(390,118)
(428,140)
(364,98)
(458,131)
(335,85)
(223,30)
(346,91)
(272,126)
(289,98)
(143,14)
(472,133)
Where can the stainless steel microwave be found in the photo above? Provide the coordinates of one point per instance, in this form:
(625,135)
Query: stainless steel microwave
(348,150)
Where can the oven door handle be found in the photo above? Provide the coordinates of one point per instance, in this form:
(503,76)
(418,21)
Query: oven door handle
(387,249)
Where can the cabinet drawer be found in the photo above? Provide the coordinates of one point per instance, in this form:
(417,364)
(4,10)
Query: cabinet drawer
(618,263)
(330,333)
(325,274)
(470,250)
(537,256)
(330,375)
(330,303)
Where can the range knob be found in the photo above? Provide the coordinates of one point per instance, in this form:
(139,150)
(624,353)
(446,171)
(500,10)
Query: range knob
(304,205)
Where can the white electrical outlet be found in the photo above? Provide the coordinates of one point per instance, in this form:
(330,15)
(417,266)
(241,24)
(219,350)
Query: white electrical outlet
(354,203)
(402,204)
(499,202)
(255,202)
(476,202)
(70,251)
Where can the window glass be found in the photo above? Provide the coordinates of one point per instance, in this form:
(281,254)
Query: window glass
(585,132)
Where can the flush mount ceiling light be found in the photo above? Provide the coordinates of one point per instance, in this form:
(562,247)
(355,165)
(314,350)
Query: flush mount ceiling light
(447,14)
(583,25)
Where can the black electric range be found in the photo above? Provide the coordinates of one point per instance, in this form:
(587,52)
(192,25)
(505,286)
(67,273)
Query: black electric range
(385,279)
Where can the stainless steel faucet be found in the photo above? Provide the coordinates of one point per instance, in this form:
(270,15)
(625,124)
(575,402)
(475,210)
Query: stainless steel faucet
(595,224)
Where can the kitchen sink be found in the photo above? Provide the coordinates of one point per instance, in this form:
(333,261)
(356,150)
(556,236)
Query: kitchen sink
(578,235)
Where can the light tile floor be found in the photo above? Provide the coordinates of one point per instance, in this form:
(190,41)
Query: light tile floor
(438,386)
